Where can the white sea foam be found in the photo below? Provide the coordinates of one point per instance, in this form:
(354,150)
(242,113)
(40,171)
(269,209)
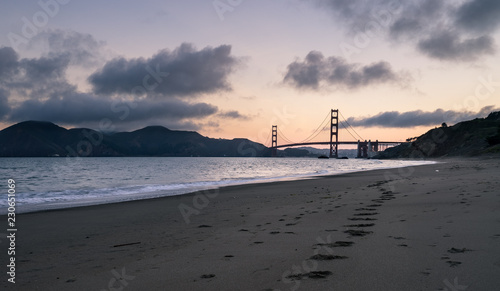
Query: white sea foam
(52,183)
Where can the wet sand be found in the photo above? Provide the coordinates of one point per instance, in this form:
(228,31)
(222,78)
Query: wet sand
(433,227)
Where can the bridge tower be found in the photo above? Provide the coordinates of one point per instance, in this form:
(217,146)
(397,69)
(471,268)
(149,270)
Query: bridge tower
(274,141)
(334,131)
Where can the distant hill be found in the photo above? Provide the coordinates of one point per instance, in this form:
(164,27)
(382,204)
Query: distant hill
(315,152)
(469,138)
(45,139)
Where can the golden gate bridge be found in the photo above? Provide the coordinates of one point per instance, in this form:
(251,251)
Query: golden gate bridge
(363,147)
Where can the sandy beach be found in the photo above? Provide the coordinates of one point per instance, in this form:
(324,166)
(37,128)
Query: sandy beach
(433,227)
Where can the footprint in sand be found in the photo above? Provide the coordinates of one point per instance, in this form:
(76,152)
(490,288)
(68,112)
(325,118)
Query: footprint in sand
(312,275)
(386,197)
(338,244)
(454,263)
(365,213)
(354,232)
(399,237)
(361,218)
(207,276)
(320,257)
(458,251)
(360,225)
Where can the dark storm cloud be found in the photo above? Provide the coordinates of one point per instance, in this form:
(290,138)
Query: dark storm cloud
(233,114)
(80,108)
(81,49)
(35,77)
(440,29)
(8,62)
(315,70)
(405,28)
(479,15)
(43,69)
(449,46)
(37,88)
(183,72)
(415,19)
(353,12)
(38,78)
(4,104)
(397,119)
(45,76)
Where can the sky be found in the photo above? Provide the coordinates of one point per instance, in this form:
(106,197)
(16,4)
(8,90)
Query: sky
(233,68)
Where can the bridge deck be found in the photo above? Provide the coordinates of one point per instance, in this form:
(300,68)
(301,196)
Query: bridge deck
(328,143)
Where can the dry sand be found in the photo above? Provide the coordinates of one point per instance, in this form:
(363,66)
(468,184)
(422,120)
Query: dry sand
(434,227)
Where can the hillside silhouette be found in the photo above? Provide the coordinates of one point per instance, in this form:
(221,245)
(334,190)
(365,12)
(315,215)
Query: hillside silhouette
(45,139)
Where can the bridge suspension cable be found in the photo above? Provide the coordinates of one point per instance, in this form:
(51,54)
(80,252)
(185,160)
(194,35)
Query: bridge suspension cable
(360,138)
(323,129)
(284,136)
(311,137)
(323,126)
(346,128)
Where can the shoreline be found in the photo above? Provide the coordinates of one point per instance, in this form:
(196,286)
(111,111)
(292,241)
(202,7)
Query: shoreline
(426,228)
(159,195)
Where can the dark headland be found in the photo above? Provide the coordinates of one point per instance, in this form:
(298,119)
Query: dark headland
(45,139)
(480,136)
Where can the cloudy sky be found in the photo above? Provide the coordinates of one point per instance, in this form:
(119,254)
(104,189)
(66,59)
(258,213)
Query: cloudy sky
(233,68)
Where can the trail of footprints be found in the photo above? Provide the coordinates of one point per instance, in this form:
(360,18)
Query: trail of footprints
(364,216)
(360,223)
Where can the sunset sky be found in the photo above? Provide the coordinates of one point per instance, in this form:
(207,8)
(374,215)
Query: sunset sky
(233,68)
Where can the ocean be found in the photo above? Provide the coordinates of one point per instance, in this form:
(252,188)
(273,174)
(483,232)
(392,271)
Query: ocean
(53,183)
